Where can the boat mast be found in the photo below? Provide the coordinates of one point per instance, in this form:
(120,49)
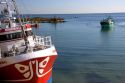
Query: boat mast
(20,22)
(6,11)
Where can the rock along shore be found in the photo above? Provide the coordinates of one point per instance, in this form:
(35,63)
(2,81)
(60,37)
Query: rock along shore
(43,20)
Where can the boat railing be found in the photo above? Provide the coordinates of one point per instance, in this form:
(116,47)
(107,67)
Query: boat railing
(41,43)
(44,41)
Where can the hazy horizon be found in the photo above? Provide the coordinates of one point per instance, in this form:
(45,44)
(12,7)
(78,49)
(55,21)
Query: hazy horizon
(71,7)
(79,13)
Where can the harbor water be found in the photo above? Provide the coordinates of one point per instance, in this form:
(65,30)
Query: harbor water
(87,53)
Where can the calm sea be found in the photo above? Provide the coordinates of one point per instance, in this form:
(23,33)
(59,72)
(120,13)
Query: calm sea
(87,54)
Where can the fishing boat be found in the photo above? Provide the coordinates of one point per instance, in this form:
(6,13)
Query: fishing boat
(24,57)
(107,23)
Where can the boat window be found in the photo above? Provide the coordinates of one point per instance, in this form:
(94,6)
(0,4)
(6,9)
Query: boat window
(18,35)
(14,35)
(3,38)
(10,36)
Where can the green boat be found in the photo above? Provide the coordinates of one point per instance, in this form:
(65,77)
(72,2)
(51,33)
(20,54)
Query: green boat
(107,23)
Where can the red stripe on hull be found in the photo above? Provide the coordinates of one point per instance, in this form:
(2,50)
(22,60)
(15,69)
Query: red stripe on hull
(37,70)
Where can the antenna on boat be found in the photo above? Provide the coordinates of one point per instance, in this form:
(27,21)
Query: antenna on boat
(20,22)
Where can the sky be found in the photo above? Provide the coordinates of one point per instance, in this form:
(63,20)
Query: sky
(70,6)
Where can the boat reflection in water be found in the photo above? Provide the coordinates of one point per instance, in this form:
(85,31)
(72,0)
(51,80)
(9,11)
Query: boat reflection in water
(107,28)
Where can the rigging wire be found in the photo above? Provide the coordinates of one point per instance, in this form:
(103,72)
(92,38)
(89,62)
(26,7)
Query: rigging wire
(25,9)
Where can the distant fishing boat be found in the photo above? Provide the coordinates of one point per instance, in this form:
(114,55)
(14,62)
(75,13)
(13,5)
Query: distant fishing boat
(107,23)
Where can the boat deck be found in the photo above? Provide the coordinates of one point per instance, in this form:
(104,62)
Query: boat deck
(39,43)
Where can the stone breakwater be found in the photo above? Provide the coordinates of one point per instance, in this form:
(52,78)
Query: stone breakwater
(43,20)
